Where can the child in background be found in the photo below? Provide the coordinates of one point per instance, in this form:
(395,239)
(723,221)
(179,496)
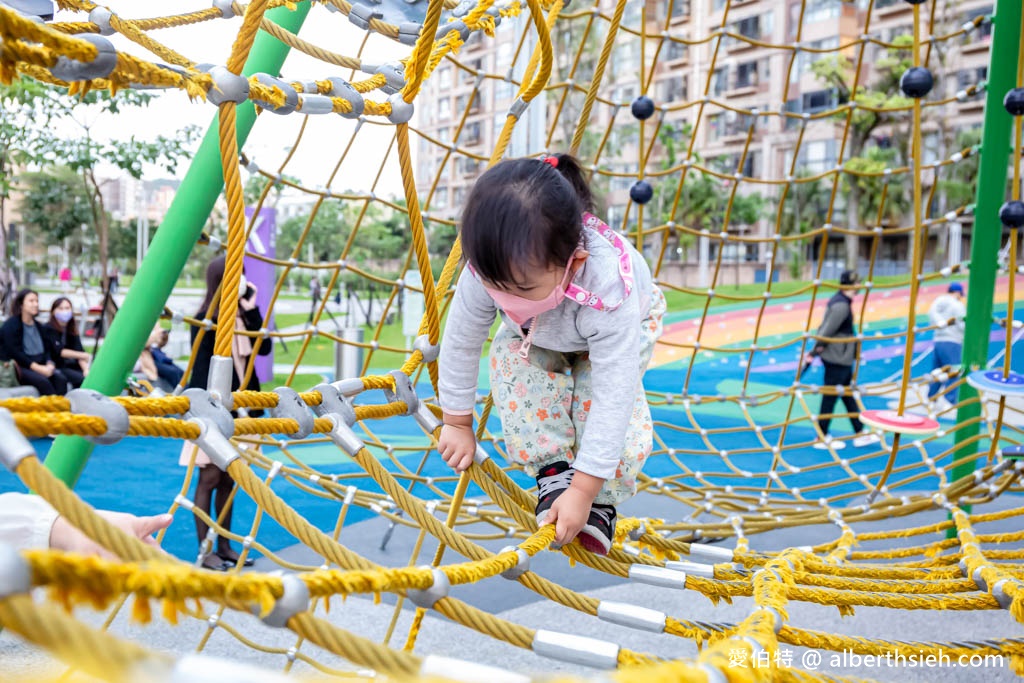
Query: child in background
(580,318)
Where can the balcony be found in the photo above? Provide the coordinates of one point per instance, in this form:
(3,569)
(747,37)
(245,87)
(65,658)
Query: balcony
(892,8)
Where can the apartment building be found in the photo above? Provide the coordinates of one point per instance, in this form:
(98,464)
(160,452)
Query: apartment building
(757,72)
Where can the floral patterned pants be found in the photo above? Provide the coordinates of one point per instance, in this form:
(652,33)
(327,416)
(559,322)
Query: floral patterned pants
(544,401)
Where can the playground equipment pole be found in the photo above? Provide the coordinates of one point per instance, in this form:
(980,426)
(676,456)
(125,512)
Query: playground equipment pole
(170,249)
(988,229)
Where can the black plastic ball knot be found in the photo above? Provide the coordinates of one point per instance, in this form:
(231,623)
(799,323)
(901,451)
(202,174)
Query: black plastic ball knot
(1014,102)
(641,192)
(1012,214)
(916,82)
(642,108)
(916,2)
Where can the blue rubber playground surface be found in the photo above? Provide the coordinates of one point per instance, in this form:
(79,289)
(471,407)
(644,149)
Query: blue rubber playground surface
(142,475)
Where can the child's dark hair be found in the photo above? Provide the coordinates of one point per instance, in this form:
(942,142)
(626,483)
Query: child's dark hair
(523,213)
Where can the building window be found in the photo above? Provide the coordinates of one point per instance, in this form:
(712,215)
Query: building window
(720,80)
(441,197)
(822,10)
(444,109)
(675,51)
(674,89)
(985,30)
(752,164)
(471,133)
(818,156)
(968,77)
(804,60)
(680,8)
(444,78)
(757,27)
(747,74)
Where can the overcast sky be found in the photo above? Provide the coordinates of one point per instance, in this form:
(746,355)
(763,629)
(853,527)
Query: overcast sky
(325,137)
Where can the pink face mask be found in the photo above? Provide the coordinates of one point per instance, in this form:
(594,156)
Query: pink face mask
(520,309)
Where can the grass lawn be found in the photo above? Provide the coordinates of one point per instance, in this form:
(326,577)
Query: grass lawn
(321,349)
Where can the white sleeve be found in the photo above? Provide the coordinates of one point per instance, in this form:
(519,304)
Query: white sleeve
(469,320)
(613,341)
(25,521)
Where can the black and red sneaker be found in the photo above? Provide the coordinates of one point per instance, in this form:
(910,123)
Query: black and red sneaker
(552,481)
(599,531)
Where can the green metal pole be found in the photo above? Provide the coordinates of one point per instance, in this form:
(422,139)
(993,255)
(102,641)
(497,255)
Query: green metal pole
(170,250)
(988,230)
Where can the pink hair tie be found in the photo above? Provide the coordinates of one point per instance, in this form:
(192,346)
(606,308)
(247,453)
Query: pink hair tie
(551,160)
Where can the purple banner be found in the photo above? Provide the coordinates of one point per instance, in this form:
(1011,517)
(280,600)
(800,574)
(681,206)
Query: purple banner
(261,275)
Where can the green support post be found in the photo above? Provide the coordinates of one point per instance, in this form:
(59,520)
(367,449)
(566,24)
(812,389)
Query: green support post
(170,250)
(988,230)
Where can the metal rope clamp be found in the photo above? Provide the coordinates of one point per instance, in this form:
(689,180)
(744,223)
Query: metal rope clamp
(294,600)
(427,350)
(522,565)
(14,447)
(202,405)
(361,15)
(290,406)
(227,86)
(89,402)
(404,391)
(218,382)
(338,408)
(15,577)
(403,13)
(344,90)
(428,597)
(394,75)
(101,66)
(291,96)
(226,8)
(214,443)
(37,10)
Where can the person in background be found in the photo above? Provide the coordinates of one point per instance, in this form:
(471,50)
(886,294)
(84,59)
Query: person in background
(314,294)
(28,522)
(69,356)
(25,344)
(947,315)
(212,479)
(159,368)
(838,357)
(65,280)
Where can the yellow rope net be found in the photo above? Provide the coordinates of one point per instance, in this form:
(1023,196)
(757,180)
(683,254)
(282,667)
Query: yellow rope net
(732,456)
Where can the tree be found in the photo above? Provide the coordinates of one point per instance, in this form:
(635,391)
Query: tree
(43,110)
(806,202)
(18,148)
(56,205)
(884,95)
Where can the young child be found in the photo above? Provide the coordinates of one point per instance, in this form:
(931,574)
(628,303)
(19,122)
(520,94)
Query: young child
(580,317)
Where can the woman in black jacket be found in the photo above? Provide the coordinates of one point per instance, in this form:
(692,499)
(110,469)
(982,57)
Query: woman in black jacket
(212,479)
(68,354)
(27,345)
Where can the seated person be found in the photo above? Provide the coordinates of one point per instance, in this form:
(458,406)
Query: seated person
(25,343)
(69,356)
(157,366)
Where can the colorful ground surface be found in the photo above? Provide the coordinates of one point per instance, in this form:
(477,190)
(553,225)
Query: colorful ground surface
(143,476)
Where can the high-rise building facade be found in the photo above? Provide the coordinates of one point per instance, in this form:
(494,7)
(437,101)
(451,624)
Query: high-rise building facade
(734,80)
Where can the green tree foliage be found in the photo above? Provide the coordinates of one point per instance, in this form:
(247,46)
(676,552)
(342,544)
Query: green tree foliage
(875,101)
(382,235)
(34,137)
(704,199)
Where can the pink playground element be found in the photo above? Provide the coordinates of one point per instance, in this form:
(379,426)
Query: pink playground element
(891,421)
(739,326)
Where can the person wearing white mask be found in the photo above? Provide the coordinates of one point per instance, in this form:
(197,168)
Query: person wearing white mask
(68,354)
(211,479)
